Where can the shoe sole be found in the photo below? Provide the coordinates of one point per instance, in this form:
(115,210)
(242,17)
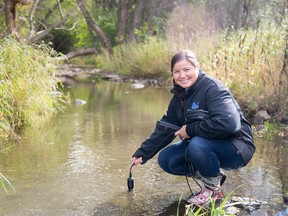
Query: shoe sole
(223,178)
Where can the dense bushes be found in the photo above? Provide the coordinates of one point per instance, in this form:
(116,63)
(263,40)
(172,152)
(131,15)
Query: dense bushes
(28,87)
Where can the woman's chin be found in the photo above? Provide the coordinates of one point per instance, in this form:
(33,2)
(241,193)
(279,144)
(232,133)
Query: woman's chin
(185,85)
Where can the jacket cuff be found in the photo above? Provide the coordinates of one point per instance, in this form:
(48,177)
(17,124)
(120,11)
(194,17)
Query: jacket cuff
(141,153)
(189,131)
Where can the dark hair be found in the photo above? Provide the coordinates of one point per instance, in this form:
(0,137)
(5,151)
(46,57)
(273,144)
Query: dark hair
(184,55)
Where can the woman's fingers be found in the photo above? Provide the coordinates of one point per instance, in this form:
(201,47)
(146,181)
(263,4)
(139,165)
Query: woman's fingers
(136,161)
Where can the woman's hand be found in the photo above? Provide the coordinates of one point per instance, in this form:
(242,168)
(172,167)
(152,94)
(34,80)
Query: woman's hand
(182,133)
(136,161)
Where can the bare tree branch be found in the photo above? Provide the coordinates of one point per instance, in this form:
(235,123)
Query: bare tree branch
(79,52)
(42,34)
(68,29)
(31,15)
(60,9)
(47,15)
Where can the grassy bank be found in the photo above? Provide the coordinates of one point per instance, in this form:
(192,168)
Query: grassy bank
(146,60)
(250,62)
(28,87)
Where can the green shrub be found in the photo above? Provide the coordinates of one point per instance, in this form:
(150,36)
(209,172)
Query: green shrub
(28,86)
(146,60)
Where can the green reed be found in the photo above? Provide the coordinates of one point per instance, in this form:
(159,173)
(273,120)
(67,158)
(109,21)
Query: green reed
(28,86)
(213,208)
(4,182)
(139,60)
(250,63)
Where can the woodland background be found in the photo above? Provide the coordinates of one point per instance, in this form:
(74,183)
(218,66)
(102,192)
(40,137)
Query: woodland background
(242,42)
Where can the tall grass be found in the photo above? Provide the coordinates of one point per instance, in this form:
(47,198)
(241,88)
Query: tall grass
(250,62)
(146,60)
(27,86)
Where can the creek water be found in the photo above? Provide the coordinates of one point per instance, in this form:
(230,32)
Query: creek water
(78,163)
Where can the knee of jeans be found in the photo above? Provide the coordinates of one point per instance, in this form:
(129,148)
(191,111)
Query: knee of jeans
(162,161)
(197,144)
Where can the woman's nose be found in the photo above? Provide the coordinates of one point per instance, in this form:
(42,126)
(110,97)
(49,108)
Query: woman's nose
(182,74)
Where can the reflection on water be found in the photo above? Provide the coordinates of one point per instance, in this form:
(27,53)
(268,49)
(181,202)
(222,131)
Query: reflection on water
(78,163)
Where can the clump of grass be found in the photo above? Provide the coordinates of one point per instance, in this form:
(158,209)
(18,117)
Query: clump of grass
(146,60)
(250,63)
(213,209)
(28,86)
(84,61)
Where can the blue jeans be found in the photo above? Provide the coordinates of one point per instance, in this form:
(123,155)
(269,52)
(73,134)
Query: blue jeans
(205,155)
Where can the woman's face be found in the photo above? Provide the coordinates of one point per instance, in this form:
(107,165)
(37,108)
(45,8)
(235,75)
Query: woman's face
(185,74)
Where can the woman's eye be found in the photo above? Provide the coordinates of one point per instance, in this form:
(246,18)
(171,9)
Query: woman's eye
(187,69)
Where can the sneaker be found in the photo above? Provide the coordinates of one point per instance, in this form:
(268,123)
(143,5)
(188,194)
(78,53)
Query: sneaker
(205,196)
(198,176)
(223,178)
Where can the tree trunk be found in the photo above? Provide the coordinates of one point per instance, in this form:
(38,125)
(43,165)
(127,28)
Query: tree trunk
(240,8)
(136,19)
(10,13)
(122,19)
(93,25)
(283,87)
(246,12)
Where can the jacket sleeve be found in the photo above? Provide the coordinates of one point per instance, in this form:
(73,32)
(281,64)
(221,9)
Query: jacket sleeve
(160,137)
(151,146)
(224,117)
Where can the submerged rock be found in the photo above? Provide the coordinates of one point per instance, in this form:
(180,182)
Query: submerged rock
(137,86)
(80,102)
(246,203)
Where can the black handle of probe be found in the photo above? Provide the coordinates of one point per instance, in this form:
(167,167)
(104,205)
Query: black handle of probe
(130,180)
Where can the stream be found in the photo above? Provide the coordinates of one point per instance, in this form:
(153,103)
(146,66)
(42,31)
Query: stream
(78,162)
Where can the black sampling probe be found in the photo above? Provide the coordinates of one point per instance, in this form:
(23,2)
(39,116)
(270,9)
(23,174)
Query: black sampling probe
(130,180)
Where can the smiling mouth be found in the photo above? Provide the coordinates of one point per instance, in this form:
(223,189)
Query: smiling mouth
(184,81)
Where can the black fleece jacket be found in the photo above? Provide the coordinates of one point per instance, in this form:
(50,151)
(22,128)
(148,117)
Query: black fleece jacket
(226,120)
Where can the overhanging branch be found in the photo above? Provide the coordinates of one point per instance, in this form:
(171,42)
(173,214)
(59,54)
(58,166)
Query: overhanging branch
(45,32)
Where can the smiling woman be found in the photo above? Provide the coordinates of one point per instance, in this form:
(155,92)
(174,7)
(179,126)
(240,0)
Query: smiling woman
(219,140)
(185,72)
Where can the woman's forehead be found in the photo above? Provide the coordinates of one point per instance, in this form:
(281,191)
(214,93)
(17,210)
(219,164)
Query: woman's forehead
(182,63)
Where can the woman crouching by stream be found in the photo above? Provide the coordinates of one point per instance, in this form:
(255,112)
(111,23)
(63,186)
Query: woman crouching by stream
(214,133)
